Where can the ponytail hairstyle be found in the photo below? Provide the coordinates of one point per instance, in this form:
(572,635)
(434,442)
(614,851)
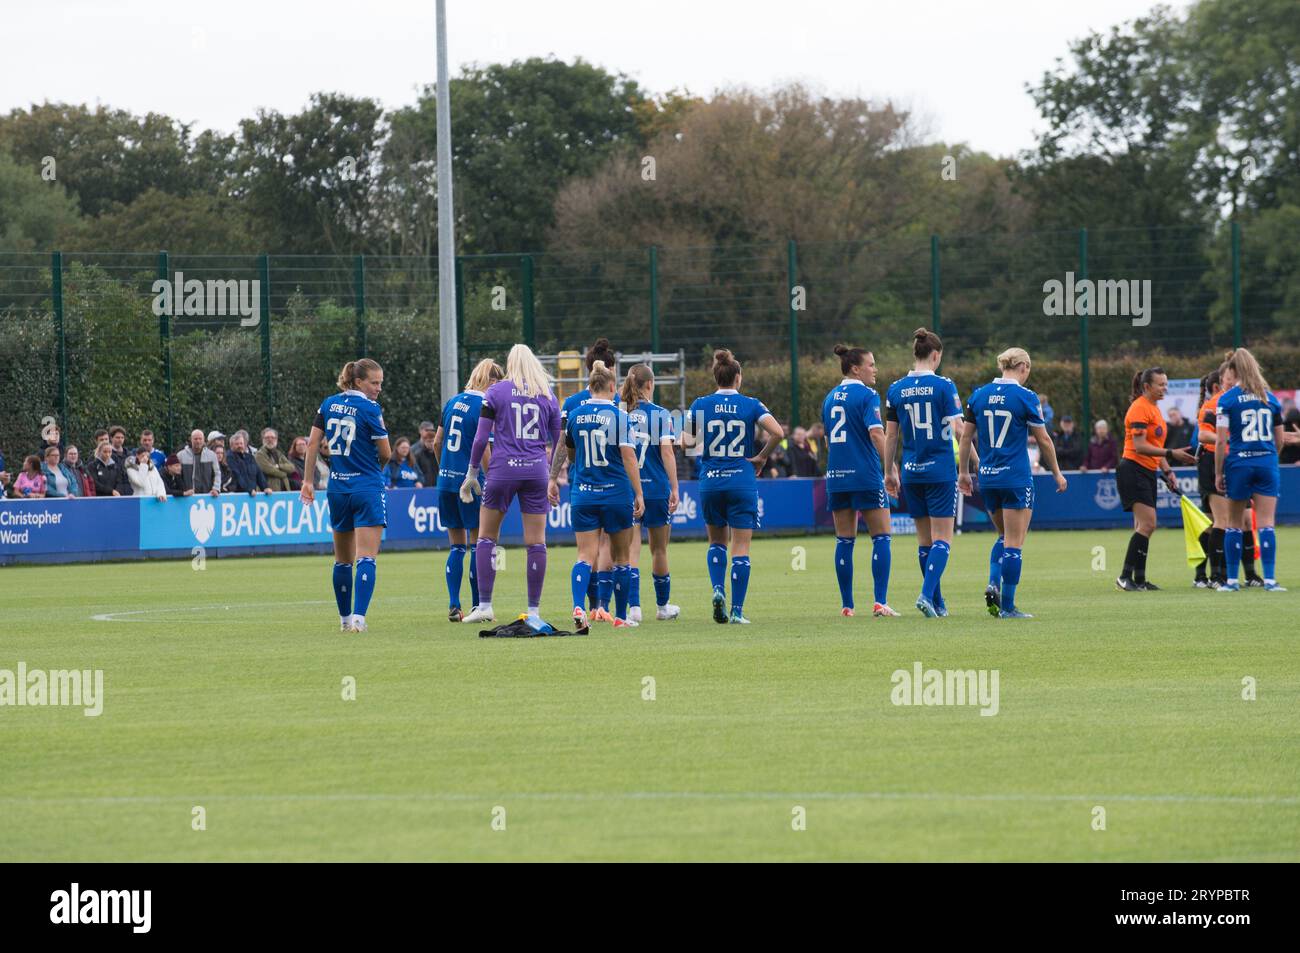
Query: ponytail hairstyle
(925,342)
(1208,383)
(1142,378)
(601,351)
(601,377)
(1249,377)
(354,371)
(850,357)
(486,373)
(525,371)
(638,375)
(1012,358)
(725,368)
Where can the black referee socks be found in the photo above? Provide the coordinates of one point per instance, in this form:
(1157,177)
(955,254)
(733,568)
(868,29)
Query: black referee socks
(1135,560)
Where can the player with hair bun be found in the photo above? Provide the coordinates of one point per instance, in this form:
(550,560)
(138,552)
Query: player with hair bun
(652,433)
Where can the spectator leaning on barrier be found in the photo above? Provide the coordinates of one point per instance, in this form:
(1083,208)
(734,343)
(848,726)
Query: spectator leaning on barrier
(144,476)
(298,457)
(59,480)
(422,454)
(245,475)
(200,471)
(275,463)
(778,465)
(4,476)
(30,484)
(85,482)
(1069,445)
(1103,451)
(172,477)
(323,465)
(110,479)
(159,457)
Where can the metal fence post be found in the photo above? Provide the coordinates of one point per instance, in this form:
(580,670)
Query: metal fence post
(654,299)
(61,355)
(268,387)
(792,277)
(359,301)
(460,315)
(1236,285)
(1085,378)
(526,279)
(936,323)
(165,341)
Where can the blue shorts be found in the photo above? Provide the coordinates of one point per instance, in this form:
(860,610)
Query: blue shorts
(931,499)
(455,513)
(1008,497)
(350,510)
(656,514)
(611,517)
(858,500)
(735,508)
(1242,483)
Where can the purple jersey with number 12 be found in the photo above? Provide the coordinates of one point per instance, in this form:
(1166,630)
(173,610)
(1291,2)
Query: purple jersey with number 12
(522,428)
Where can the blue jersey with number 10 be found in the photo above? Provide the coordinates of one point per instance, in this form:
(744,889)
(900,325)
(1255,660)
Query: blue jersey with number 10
(459,424)
(1250,422)
(1002,412)
(849,413)
(925,406)
(725,426)
(597,431)
(352,422)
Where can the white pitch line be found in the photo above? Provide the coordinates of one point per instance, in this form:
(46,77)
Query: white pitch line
(113,616)
(794,796)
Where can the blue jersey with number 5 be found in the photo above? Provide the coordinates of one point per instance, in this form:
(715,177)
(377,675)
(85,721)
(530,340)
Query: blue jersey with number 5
(849,413)
(352,422)
(725,426)
(597,431)
(1250,422)
(459,424)
(926,407)
(1002,412)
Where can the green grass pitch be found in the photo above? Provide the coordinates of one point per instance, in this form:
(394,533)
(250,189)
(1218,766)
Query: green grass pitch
(223,690)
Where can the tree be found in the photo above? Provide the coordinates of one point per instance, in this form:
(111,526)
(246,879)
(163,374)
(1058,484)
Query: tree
(33,212)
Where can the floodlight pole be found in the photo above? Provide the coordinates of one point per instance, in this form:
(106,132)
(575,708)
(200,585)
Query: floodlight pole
(448,346)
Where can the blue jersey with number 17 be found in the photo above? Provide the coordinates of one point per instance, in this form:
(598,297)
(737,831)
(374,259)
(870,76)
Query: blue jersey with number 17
(849,413)
(459,424)
(1002,412)
(651,427)
(925,406)
(1250,422)
(725,426)
(352,422)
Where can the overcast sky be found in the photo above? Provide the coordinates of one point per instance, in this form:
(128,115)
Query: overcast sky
(959,64)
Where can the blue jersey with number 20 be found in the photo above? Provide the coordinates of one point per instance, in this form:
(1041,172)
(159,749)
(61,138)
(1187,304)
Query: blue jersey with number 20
(1250,422)
(352,422)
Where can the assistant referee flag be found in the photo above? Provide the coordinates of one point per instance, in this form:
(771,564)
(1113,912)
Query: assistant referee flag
(1194,524)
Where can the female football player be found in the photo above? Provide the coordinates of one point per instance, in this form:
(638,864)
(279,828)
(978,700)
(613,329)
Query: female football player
(855,478)
(1144,452)
(522,417)
(925,409)
(352,424)
(1251,434)
(1003,414)
(605,492)
(725,424)
(451,448)
(652,432)
(1211,573)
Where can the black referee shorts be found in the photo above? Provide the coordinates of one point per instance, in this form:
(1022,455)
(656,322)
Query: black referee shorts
(1205,474)
(1136,484)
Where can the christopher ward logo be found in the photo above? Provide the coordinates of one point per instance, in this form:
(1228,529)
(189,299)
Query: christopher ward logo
(930,686)
(1106,298)
(73,688)
(208,299)
(102,906)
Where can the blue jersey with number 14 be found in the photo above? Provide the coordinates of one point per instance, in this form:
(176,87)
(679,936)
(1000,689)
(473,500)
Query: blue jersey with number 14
(925,406)
(1002,412)
(725,426)
(849,413)
(459,424)
(352,422)
(1250,422)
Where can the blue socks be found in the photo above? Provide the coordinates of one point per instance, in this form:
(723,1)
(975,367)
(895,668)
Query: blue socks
(995,562)
(663,588)
(622,581)
(717,557)
(1268,551)
(634,590)
(844,569)
(473,575)
(1232,542)
(1010,577)
(604,587)
(739,581)
(880,566)
(455,572)
(581,580)
(935,564)
(343,588)
(365,584)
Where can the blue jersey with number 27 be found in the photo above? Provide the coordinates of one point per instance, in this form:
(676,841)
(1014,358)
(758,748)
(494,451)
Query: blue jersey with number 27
(352,422)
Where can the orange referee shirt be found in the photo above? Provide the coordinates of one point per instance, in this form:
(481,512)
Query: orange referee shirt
(1144,418)
(1207,420)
